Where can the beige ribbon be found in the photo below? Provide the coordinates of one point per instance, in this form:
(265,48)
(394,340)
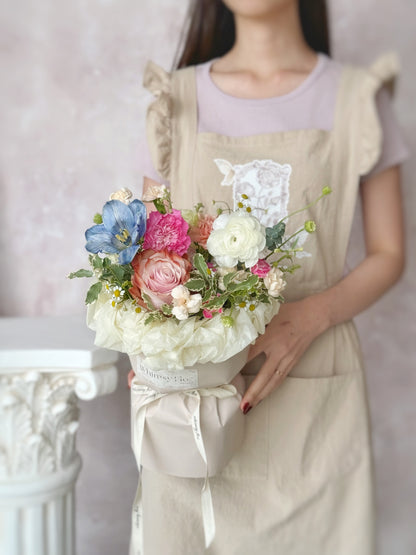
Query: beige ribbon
(143,396)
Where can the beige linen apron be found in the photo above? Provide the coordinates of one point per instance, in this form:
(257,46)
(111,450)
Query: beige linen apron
(303,481)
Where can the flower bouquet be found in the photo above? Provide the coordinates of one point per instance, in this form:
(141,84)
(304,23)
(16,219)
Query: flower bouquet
(184,293)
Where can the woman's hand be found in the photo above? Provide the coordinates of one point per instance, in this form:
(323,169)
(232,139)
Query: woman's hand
(130,377)
(298,323)
(286,338)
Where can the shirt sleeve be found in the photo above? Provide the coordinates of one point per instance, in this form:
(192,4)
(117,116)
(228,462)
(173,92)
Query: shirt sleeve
(394,148)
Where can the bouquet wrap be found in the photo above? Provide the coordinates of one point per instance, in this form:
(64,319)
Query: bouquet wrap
(206,375)
(172,431)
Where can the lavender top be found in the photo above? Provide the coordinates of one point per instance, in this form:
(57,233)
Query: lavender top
(311,105)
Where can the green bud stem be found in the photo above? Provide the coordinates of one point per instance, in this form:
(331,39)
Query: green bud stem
(284,242)
(305,207)
(291,236)
(222,202)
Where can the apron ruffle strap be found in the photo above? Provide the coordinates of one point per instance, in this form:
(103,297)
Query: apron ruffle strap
(159,117)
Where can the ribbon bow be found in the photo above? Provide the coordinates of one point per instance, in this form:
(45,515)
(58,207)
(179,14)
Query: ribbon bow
(142,397)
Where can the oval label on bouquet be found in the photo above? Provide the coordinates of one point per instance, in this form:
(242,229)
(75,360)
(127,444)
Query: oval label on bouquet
(162,379)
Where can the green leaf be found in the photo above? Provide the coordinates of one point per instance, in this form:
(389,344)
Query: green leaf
(244,285)
(81,273)
(153,317)
(98,219)
(274,235)
(217,302)
(93,292)
(148,301)
(201,265)
(283,257)
(196,284)
(166,309)
(97,262)
(208,294)
(295,242)
(200,249)
(263,298)
(293,268)
(229,277)
(159,205)
(118,272)
(106,262)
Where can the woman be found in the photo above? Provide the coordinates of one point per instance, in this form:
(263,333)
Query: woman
(258,104)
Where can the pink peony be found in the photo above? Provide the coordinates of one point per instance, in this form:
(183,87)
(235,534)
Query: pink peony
(156,274)
(261,269)
(167,232)
(202,230)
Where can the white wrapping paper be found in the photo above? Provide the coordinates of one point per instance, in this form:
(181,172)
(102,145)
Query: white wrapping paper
(173,344)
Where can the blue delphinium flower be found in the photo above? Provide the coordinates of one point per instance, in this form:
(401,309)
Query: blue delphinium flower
(122,228)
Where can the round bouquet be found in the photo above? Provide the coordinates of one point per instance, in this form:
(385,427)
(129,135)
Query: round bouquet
(184,293)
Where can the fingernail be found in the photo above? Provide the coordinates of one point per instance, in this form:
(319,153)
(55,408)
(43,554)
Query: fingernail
(246,408)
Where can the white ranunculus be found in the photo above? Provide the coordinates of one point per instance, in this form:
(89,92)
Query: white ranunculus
(274,282)
(236,237)
(124,194)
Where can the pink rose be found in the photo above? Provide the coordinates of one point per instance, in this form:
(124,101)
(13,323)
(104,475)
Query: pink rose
(156,274)
(261,269)
(167,232)
(202,230)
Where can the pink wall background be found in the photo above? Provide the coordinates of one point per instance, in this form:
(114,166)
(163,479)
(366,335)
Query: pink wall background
(71,125)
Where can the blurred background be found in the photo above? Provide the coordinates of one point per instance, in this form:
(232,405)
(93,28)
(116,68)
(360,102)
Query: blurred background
(72,131)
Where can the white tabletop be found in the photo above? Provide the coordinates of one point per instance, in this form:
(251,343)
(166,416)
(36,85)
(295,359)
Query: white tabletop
(50,342)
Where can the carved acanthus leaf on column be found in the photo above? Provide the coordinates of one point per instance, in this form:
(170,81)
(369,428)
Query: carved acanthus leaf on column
(39,417)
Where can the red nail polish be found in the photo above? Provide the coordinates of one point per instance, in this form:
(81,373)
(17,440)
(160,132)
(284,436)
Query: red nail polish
(246,408)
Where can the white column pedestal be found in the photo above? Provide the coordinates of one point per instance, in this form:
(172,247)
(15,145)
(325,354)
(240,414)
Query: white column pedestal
(45,365)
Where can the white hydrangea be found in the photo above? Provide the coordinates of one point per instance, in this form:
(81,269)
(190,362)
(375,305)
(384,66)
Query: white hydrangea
(236,237)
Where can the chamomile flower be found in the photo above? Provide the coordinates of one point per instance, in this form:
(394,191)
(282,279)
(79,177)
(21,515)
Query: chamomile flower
(117,294)
(248,306)
(244,203)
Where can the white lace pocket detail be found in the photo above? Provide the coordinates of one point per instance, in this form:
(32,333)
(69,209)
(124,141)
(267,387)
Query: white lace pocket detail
(267,184)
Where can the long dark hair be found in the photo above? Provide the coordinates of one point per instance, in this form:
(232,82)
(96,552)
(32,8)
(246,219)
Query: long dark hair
(210,31)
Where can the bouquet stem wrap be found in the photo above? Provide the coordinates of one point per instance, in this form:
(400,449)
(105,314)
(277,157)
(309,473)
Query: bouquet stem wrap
(186,424)
(142,397)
